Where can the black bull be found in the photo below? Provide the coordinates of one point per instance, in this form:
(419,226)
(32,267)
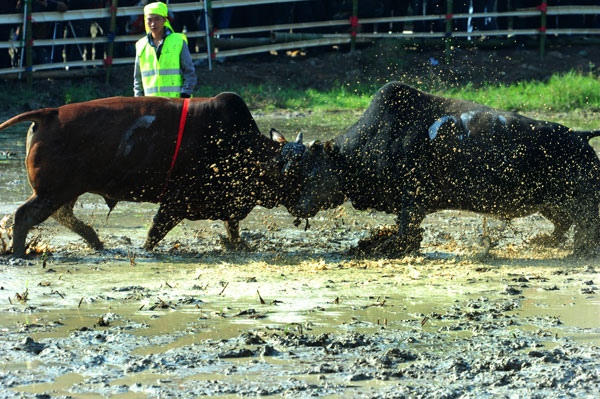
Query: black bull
(122,149)
(413,153)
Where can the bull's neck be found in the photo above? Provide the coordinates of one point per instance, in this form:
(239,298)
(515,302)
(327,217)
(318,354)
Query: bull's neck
(274,193)
(357,165)
(346,160)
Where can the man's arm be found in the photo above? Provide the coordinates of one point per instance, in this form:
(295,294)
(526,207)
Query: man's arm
(138,88)
(188,73)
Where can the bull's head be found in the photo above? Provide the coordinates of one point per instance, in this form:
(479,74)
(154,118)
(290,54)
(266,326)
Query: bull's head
(317,171)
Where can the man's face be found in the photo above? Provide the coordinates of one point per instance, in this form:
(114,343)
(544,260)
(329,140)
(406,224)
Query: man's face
(156,23)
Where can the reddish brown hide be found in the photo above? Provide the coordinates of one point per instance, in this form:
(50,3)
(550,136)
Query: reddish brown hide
(122,147)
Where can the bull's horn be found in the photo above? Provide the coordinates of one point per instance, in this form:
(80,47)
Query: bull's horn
(299,138)
(276,136)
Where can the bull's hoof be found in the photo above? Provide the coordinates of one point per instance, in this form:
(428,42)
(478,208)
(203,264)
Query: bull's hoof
(388,242)
(148,246)
(97,246)
(235,245)
(17,255)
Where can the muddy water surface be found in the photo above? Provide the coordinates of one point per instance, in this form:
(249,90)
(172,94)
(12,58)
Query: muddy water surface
(295,316)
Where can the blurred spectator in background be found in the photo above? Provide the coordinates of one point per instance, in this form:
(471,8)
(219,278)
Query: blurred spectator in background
(135,23)
(428,7)
(485,23)
(86,28)
(43,30)
(220,19)
(474,6)
(6,7)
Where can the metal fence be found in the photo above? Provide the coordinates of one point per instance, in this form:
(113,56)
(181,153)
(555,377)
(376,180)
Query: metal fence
(274,38)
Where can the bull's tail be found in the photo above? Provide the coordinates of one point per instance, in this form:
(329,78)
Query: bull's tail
(586,135)
(38,116)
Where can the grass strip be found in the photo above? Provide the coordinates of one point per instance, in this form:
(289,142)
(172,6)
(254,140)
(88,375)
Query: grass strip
(561,93)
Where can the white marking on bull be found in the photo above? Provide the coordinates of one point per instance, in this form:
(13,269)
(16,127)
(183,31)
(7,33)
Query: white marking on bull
(502,120)
(466,119)
(141,122)
(433,129)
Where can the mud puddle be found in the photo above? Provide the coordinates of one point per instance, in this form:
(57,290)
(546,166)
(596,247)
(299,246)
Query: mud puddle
(297,317)
(481,312)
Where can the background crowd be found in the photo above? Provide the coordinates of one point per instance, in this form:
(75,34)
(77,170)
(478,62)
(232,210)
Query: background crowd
(267,14)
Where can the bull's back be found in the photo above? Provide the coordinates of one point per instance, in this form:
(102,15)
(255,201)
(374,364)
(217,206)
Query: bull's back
(469,156)
(84,146)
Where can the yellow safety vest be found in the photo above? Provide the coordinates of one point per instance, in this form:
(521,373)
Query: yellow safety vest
(161,77)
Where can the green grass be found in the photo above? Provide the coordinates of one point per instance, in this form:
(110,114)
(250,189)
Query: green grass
(561,93)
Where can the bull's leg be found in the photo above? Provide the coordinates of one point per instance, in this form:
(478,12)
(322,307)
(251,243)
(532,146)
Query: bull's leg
(587,228)
(33,212)
(232,227)
(233,240)
(64,215)
(561,221)
(163,222)
(409,231)
(405,237)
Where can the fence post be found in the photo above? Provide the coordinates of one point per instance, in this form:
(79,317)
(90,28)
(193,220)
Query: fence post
(543,8)
(111,39)
(209,31)
(28,46)
(354,25)
(449,7)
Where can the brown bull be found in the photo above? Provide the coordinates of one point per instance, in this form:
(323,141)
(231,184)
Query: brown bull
(122,148)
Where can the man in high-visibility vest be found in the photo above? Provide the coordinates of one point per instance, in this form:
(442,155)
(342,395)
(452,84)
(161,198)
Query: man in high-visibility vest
(163,64)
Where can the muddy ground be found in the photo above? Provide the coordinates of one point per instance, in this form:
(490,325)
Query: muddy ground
(297,316)
(480,312)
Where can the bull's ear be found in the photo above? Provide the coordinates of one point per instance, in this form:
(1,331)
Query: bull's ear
(330,147)
(276,136)
(315,146)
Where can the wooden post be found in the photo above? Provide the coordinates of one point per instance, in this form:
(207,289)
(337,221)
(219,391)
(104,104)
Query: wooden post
(111,39)
(354,25)
(543,9)
(28,46)
(209,31)
(449,7)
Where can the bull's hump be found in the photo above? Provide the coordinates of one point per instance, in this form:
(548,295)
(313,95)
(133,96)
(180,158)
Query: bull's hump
(394,91)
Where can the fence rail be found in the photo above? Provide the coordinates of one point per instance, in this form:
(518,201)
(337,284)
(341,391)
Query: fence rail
(276,42)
